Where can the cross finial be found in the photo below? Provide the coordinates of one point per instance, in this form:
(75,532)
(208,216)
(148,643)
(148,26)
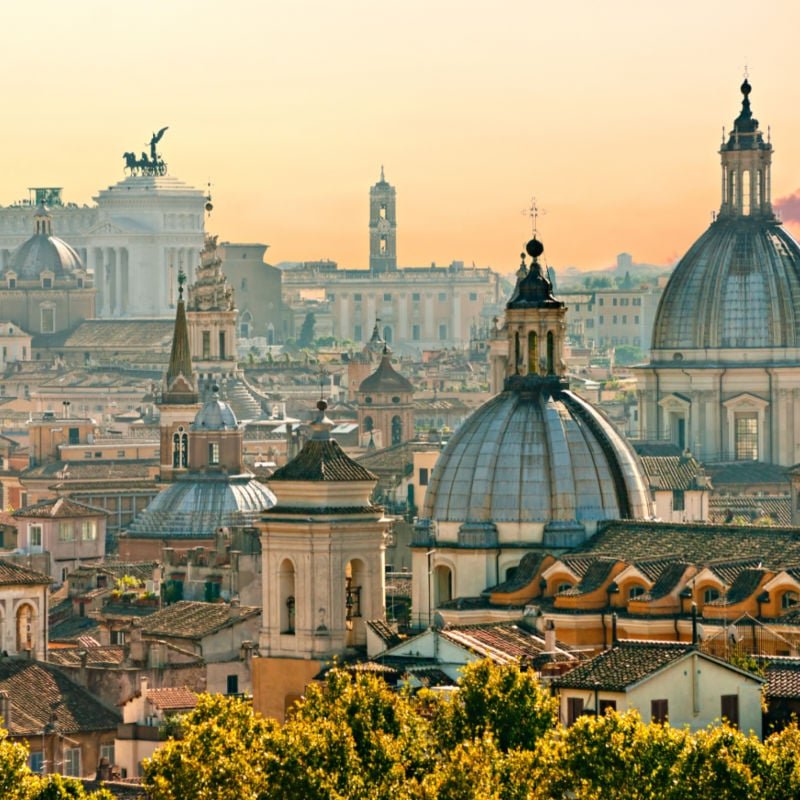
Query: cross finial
(746,72)
(533,213)
(382,178)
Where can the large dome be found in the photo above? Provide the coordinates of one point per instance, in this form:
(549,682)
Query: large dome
(195,506)
(44,252)
(737,287)
(536,457)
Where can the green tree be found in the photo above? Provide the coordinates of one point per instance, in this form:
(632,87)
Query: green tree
(306,336)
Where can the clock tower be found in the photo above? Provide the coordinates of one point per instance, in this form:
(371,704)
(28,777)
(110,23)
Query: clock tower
(382,227)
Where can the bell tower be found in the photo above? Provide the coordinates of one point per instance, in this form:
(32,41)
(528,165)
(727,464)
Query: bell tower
(382,227)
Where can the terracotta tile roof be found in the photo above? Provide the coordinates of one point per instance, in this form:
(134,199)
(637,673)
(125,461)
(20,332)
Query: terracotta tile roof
(644,448)
(172,699)
(430,676)
(322,460)
(722,508)
(774,548)
(59,508)
(624,665)
(525,572)
(73,628)
(671,472)
(593,578)
(12,574)
(746,473)
(387,634)
(670,577)
(35,690)
(101,654)
(194,620)
(93,470)
(743,586)
(502,642)
(783,678)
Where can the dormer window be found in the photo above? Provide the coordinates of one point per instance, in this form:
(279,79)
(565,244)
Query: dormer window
(12,281)
(47,283)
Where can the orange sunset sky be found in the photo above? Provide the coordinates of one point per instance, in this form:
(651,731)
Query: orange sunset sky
(610,113)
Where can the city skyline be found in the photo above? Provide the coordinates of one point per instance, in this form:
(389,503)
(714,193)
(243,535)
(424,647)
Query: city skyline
(610,116)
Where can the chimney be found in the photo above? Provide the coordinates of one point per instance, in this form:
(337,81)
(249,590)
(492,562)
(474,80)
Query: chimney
(549,637)
(5,709)
(143,685)
(614,640)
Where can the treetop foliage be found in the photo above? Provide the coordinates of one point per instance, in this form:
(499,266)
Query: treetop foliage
(496,738)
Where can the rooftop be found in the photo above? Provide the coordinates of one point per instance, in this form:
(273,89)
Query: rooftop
(194,620)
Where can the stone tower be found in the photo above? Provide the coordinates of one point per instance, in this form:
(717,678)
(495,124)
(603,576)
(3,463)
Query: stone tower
(179,398)
(382,227)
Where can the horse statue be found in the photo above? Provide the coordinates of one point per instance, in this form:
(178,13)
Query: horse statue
(131,163)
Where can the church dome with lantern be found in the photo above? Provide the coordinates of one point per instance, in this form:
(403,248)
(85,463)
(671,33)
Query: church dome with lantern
(44,252)
(723,376)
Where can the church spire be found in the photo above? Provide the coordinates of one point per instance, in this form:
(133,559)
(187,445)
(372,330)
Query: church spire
(180,386)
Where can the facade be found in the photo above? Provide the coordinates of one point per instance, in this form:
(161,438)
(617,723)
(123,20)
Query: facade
(323,547)
(536,467)
(23,612)
(134,240)
(419,308)
(723,377)
(663,681)
(15,345)
(45,287)
(69,532)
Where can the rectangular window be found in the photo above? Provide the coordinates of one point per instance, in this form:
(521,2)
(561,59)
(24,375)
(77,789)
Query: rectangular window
(615,319)
(614,301)
(636,319)
(678,500)
(659,711)
(473,296)
(601,301)
(746,437)
(357,297)
(213,453)
(423,476)
(442,297)
(357,332)
(415,297)
(600,320)
(47,283)
(415,332)
(74,435)
(637,301)
(331,296)
(730,708)
(88,530)
(387,297)
(48,320)
(36,762)
(382,212)
(66,532)
(442,332)
(233,684)
(120,454)
(206,344)
(35,535)
(118,637)
(607,705)
(383,246)
(590,323)
(107,751)
(72,762)
(624,319)
(222,345)
(574,709)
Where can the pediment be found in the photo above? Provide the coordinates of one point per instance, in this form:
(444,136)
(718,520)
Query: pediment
(746,400)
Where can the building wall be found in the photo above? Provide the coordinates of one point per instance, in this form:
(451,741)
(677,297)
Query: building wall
(280,682)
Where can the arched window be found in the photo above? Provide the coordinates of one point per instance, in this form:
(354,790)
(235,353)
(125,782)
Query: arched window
(368,424)
(355,596)
(397,430)
(533,354)
(286,583)
(635,591)
(245,325)
(25,637)
(180,448)
(790,599)
(550,354)
(442,585)
(562,587)
(517,354)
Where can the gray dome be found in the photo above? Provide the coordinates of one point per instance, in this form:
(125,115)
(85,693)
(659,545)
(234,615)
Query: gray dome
(195,506)
(536,458)
(215,415)
(42,253)
(738,286)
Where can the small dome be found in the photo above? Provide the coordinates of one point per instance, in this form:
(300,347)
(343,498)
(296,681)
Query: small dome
(195,506)
(738,286)
(44,252)
(215,415)
(541,458)
(386,378)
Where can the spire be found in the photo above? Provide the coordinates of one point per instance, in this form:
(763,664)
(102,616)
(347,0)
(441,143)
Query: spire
(383,180)
(180,387)
(533,289)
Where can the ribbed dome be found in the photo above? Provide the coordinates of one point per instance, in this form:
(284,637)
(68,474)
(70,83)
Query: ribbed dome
(215,415)
(195,506)
(536,458)
(42,253)
(738,286)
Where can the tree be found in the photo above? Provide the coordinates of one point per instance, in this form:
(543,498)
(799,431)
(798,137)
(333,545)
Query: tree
(306,336)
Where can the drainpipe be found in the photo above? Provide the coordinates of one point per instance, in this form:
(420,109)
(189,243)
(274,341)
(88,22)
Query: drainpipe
(614,640)
(694,624)
(596,699)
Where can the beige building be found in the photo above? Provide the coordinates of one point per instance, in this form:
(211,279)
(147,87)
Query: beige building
(15,344)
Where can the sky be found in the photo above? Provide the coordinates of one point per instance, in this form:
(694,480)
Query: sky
(609,113)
